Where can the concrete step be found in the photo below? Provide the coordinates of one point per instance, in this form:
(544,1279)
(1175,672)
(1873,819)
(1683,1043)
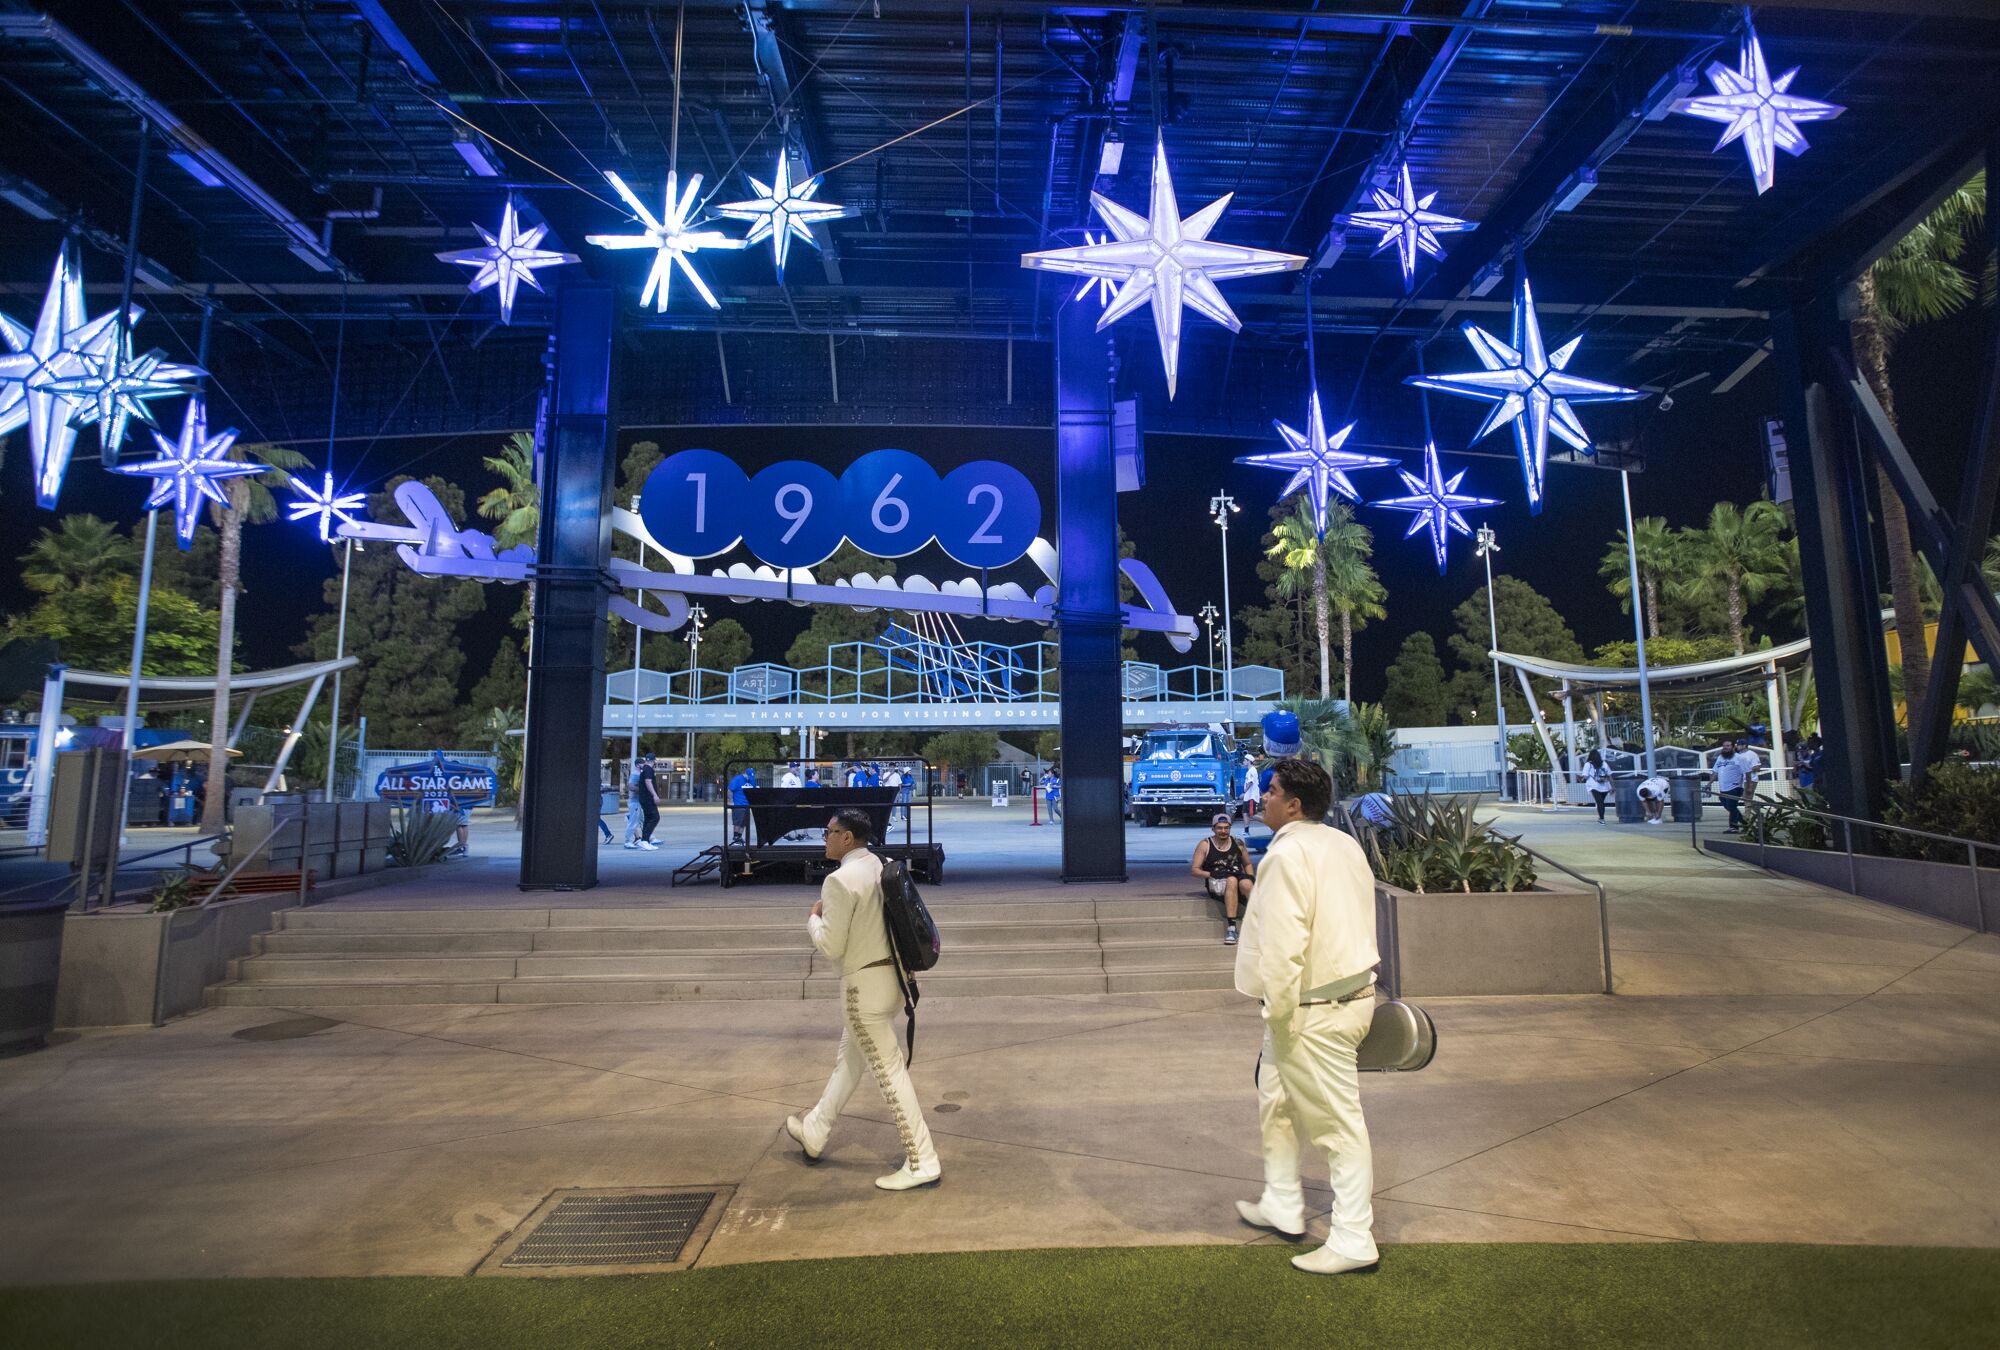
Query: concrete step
(948,914)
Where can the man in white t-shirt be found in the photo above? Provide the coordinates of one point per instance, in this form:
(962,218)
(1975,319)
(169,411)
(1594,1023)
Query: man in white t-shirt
(1653,799)
(791,777)
(1736,778)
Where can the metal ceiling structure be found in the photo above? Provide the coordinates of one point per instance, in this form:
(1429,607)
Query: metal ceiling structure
(317,154)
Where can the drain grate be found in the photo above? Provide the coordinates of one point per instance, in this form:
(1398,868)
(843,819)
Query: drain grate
(638,1229)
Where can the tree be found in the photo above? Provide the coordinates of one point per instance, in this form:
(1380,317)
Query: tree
(1738,553)
(834,624)
(77,552)
(1352,586)
(504,685)
(1274,633)
(1300,552)
(1415,696)
(961,751)
(403,628)
(1528,624)
(92,628)
(1922,277)
(515,507)
(250,502)
(1658,551)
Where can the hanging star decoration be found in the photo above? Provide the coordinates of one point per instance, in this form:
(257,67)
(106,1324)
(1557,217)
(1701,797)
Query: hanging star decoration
(1316,461)
(120,393)
(1435,502)
(1407,221)
(1757,110)
(188,470)
(781,212)
(325,505)
(49,381)
(1102,285)
(507,259)
(1528,387)
(1170,261)
(670,238)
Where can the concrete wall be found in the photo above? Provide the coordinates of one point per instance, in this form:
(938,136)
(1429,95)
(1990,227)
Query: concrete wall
(1940,890)
(1542,941)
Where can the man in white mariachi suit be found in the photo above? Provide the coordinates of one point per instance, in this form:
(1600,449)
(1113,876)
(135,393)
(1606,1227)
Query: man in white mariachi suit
(846,926)
(1307,950)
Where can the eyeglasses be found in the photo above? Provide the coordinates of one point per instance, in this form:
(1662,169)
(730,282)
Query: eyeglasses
(830,833)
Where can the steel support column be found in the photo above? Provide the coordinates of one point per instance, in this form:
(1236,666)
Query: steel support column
(1831,488)
(572,551)
(1087,610)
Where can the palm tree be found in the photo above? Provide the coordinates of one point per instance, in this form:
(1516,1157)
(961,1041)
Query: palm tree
(1920,279)
(1297,548)
(1990,568)
(1354,590)
(1658,551)
(250,501)
(80,551)
(1740,553)
(516,505)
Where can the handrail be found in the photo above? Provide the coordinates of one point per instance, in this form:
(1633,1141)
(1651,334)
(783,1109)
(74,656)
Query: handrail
(1899,829)
(238,865)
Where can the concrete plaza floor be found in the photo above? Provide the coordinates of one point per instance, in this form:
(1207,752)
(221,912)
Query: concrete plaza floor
(1780,1063)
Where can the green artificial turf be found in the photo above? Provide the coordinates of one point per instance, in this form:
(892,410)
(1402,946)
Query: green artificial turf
(1445,1296)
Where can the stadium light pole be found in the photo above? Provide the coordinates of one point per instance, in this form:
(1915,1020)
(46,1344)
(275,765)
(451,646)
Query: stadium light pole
(1221,507)
(1489,544)
(1208,616)
(696,617)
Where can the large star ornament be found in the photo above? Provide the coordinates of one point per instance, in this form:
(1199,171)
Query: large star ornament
(1316,461)
(1435,502)
(325,505)
(48,382)
(1528,387)
(188,470)
(1407,221)
(507,259)
(123,388)
(670,239)
(781,211)
(1165,259)
(1757,110)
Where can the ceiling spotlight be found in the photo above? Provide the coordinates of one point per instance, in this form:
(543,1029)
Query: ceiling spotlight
(1666,403)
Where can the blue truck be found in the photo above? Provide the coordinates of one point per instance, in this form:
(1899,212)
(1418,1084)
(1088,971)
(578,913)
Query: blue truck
(1189,769)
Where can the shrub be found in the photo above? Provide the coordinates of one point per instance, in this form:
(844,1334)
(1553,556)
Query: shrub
(173,890)
(1962,800)
(422,837)
(1437,843)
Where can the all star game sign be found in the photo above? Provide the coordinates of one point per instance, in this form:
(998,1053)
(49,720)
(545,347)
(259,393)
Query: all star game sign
(436,784)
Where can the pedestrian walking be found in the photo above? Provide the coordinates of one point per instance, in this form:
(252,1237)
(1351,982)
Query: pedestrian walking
(1226,869)
(1735,778)
(1308,954)
(607,802)
(1597,781)
(739,803)
(846,925)
(647,790)
(635,811)
(1052,789)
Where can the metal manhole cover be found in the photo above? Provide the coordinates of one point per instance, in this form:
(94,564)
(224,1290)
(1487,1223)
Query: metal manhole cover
(610,1231)
(289,1029)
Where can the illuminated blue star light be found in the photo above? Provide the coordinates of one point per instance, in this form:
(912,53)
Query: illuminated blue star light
(1102,285)
(124,388)
(1316,461)
(507,259)
(49,381)
(188,470)
(325,505)
(670,239)
(781,212)
(1757,110)
(1170,261)
(1435,503)
(1528,387)
(1406,220)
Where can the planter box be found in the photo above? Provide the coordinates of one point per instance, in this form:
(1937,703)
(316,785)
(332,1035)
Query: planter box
(1940,890)
(1548,940)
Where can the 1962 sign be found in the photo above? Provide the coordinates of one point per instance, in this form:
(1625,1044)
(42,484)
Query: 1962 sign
(793,514)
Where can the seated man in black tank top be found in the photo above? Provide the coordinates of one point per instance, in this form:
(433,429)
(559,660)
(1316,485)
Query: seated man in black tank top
(1224,864)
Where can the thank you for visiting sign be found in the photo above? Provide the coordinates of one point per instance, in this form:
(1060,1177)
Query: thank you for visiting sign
(436,784)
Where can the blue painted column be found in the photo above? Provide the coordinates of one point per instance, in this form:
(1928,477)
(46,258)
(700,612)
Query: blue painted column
(572,551)
(1087,610)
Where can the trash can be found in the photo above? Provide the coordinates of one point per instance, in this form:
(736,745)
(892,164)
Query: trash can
(31,937)
(1685,793)
(1625,792)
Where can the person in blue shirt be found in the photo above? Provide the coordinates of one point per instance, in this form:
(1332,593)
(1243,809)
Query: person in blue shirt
(740,804)
(812,779)
(1053,790)
(872,776)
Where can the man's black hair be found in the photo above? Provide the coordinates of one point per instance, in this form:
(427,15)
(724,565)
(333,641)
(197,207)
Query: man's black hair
(1306,781)
(856,822)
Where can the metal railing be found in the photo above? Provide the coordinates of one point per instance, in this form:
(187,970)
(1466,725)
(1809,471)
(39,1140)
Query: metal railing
(1847,827)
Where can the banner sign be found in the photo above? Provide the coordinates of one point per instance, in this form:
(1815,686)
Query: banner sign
(794,514)
(436,784)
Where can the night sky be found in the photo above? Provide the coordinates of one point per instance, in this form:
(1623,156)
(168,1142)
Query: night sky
(1703,451)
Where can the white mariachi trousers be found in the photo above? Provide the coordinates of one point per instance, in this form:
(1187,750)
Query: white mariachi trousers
(1312,1096)
(871,999)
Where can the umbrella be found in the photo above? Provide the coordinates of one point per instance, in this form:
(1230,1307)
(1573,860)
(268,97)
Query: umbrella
(176,751)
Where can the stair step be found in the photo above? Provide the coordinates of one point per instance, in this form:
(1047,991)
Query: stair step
(958,937)
(776,916)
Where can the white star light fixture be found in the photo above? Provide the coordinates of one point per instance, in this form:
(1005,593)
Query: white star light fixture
(1166,260)
(1316,461)
(49,381)
(669,236)
(1757,110)
(188,470)
(1529,387)
(507,259)
(121,392)
(1406,220)
(325,505)
(1435,503)
(1105,290)
(781,212)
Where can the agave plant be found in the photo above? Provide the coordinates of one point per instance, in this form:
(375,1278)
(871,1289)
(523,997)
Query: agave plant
(1437,843)
(421,838)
